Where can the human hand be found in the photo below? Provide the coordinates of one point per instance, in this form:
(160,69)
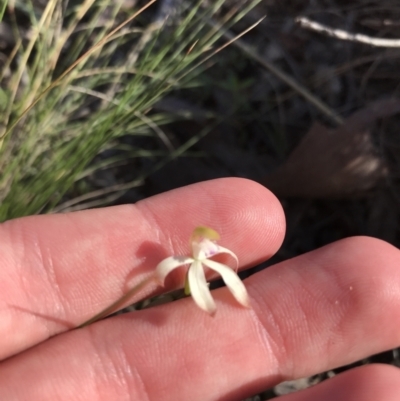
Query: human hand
(309,314)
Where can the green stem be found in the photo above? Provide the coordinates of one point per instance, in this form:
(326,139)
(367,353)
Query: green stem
(2,11)
(118,303)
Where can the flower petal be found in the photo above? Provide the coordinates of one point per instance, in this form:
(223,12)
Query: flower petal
(167,265)
(199,288)
(232,281)
(206,248)
(221,249)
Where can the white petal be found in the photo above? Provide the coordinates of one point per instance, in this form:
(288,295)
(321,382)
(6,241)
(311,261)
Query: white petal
(226,250)
(232,281)
(167,265)
(207,249)
(199,288)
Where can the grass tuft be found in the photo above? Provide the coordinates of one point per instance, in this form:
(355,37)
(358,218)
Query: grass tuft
(84,75)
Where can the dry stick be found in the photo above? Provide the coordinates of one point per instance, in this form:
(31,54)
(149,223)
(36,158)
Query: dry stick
(115,306)
(318,103)
(344,35)
(74,64)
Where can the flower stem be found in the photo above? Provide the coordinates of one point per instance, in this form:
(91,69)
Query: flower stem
(115,306)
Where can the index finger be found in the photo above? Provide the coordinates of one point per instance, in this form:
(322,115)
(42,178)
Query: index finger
(59,270)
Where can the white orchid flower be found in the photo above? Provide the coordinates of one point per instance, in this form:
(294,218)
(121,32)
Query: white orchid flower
(204,246)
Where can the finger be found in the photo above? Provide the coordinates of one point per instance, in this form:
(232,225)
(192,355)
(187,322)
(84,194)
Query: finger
(332,306)
(57,271)
(310,314)
(367,383)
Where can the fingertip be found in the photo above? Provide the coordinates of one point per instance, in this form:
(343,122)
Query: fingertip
(249,218)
